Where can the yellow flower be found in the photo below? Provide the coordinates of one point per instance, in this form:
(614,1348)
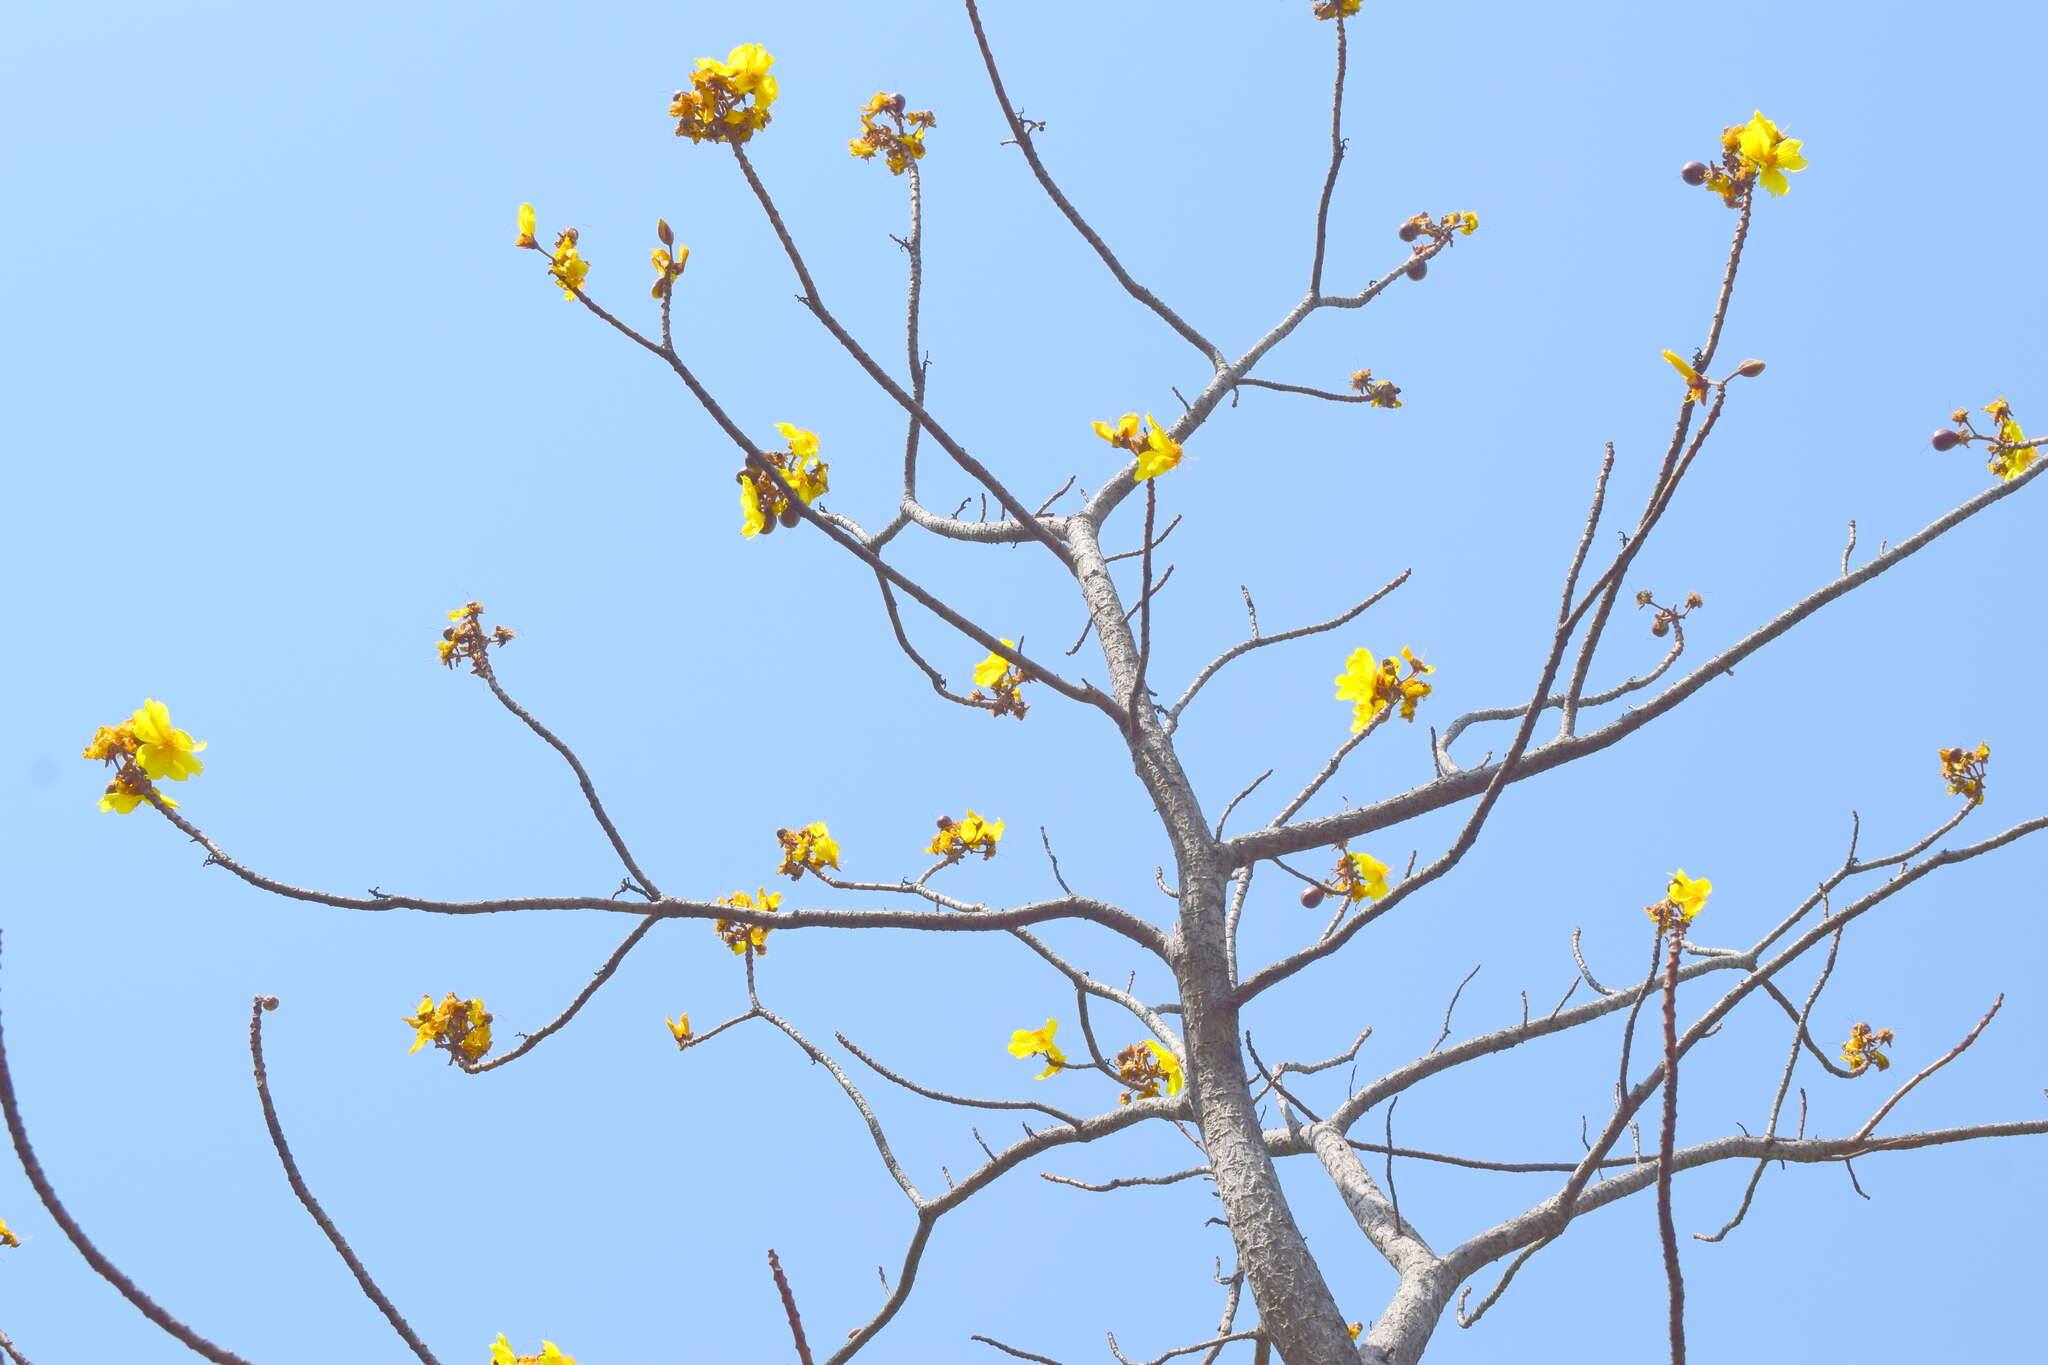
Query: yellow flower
(1123,433)
(901,136)
(1468,223)
(1360,876)
(550,1354)
(752,518)
(2010,463)
(957,838)
(1695,383)
(990,670)
(162,751)
(1037,1042)
(1156,451)
(1147,1067)
(568,268)
(716,107)
(1169,1065)
(811,849)
(124,794)
(463,1027)
(526,226)
(1860,1050)
(739,936)
(1770,153)
(667,268)
(7,1237)
(1354,1328)
(802,444)
(111,743)
(1964,771)
(1689,894)
(680,1028)
(1375,685)
(1336,9)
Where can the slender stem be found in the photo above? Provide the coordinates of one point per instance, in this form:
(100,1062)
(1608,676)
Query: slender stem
(299,1188)
(104,1268)
(1667,1227)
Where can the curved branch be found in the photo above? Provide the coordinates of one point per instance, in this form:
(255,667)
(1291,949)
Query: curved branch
(104,1268)
(299,1188)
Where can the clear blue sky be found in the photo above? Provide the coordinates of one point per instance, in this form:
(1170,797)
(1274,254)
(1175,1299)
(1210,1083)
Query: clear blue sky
(281,392)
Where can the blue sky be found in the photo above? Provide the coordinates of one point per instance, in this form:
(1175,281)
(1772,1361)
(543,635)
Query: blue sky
(282,392)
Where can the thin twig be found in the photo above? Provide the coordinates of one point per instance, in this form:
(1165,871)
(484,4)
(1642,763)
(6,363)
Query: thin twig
(369,1287)
(104,1268)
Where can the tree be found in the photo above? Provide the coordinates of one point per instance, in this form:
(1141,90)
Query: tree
(1193,1021)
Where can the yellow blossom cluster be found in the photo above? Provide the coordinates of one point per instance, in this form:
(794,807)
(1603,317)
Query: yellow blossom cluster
(1358,876)
(669,259)
(763,505)
(1752,153)
(958,838)
(743,938)
(1372,685)
(565,264)
(1861,1050)
(679,1029)
(887,128)
(1381,393)
(550,1354)
(1683,899)
(727,101)
(462,1027)
(7,1237)
(1037,1042)
(142,751)
(1963,770)
(1336,9)
(465,640)
(2012,454)
(810,849)
(1004,681)
(1156,451)
(1147,1068)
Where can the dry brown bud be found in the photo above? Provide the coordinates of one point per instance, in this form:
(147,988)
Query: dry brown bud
(1311,897)
(1418,270)
(1409,232)
(790,516)
(1945,439)
(1750,369)
(1693,172)
(1693,599)
(663,231)
(1660,626)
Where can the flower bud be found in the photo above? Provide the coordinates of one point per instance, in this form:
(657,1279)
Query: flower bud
(1693,172)
(790,516)
(1409,232)
(663,231)
(1418,270)
(1945,439)
(1750,369)
(1311,897)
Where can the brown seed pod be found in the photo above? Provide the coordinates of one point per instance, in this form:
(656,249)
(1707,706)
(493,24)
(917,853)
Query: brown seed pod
(1693,172)
(1409,232)
(790,516)
(1311,897)
(1418,270)
(1945,439)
